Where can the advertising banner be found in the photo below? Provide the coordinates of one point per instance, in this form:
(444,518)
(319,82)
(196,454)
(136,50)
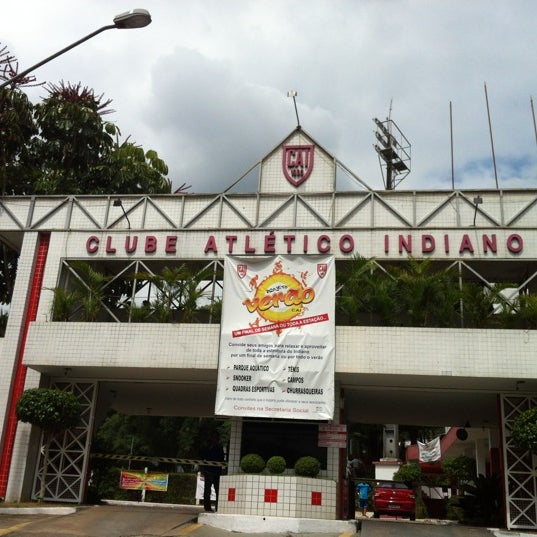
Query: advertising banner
(142,481)
(277,343)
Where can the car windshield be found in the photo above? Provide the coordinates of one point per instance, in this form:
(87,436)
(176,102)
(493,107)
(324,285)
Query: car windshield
(392,485)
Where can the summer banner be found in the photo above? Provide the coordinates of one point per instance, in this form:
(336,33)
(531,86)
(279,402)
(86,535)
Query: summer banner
(141,481)
(277,342)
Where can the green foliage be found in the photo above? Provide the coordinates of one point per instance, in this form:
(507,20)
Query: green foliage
(365,295)
(307,466)
(252,463)
(165,436)
(62,145)
(276,465)
(409,473)
(455,509)
(50,409)
(178,292)
(524,430)
(17,127)
(181,490)
(460,470)
(64,304)
(423,296)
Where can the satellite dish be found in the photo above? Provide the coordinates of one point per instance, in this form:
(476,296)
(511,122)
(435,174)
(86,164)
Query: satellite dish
(462,434)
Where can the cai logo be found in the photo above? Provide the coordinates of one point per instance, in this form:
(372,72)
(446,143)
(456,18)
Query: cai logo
(297,162)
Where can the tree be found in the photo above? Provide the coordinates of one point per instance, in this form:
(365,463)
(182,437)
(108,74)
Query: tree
(177,289)
(80,153)
(365,294)
(17,127)
(423,296)
(524,430)
(52,411)
(63,145)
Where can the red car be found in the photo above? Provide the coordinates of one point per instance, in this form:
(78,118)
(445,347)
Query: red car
(394,498)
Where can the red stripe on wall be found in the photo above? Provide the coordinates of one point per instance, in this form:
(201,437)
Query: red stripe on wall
(20,372)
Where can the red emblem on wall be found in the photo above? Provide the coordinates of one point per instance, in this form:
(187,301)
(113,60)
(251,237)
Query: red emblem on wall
(297,162)
(322,269)
(241,270)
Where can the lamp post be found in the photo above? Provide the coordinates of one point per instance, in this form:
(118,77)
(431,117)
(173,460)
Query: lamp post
(136,18)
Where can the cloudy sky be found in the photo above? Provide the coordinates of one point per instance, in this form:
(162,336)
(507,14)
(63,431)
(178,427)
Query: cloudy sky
(205,85)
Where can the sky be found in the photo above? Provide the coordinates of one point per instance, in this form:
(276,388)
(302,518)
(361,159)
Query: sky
(205,84)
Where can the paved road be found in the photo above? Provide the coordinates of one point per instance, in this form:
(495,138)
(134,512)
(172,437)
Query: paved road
(139,521)
(404,528)
(101,521)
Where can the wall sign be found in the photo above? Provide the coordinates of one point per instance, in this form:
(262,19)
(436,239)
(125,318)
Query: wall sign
(277,343)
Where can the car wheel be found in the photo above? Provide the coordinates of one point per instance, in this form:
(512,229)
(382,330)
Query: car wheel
(412,516)
(376,515)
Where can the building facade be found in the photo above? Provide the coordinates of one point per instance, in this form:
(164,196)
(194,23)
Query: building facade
(397,374)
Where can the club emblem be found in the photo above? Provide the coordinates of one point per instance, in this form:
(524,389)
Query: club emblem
(322,269)
(241,270)
(297,163)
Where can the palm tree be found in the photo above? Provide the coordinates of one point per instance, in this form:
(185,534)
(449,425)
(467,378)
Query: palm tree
(176,290)
(364,295)
(424,297)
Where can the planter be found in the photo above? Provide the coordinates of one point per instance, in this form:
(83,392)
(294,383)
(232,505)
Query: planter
(277,495)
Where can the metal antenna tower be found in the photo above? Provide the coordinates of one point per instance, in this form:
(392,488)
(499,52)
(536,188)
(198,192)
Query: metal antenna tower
(393,151)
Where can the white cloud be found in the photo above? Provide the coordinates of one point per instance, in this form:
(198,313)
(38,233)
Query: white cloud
(205,84)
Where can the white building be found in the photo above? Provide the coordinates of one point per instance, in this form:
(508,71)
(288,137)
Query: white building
(382,374)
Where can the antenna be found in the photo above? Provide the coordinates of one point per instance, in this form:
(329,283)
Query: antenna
(451,137)
(533,116)
(293,94)
(393,152)
(491,139)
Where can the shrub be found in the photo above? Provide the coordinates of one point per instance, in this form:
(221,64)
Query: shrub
(181,490)
(307,466)
(455,509)
(276,465)
(409,473)
(252,464)
(524,431)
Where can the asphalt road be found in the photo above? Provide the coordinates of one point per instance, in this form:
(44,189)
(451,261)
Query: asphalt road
(139,521)
(405,528)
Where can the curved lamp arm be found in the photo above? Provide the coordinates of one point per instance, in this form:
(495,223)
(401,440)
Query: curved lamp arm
(137,18)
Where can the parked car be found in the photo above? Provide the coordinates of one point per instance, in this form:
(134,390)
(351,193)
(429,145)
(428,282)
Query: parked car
(394,498)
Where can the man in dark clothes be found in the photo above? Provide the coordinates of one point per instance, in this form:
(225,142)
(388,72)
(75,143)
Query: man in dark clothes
(211,474)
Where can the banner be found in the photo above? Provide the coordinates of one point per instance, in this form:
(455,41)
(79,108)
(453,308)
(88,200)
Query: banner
(277,342)
(142,481)
(429,451)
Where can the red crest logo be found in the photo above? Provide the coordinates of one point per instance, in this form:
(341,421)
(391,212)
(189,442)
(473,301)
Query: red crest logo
(297,162)
(322,269)
(241,270)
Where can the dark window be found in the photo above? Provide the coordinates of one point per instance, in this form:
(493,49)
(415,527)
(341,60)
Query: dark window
(290,440)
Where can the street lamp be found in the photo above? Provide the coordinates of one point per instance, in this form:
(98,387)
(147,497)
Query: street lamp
(136,18)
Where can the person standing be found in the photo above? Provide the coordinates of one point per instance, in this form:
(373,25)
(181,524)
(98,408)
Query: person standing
(211,473)
(363,495)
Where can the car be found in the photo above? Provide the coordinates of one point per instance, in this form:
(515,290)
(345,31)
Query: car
(394,498)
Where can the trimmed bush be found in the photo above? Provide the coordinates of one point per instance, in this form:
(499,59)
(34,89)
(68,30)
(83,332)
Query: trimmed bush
(181,490)
(524,430)
(276,465)
(252,464)
(307,467)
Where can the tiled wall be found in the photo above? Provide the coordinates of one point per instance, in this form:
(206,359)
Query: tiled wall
(280,496)
(381,350)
